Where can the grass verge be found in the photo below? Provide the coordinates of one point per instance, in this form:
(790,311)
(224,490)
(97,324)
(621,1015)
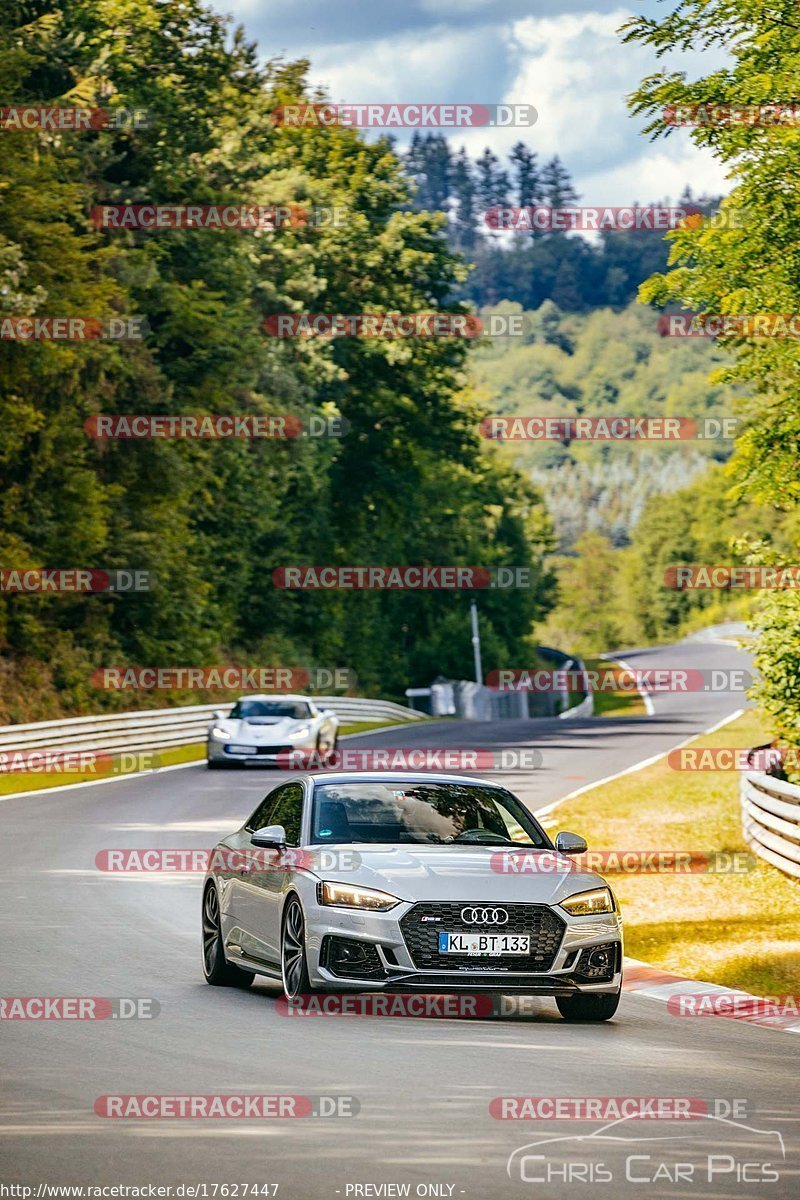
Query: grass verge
(12,782)
(739,930)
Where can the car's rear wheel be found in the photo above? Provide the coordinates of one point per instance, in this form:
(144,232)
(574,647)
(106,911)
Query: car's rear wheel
(588,1007)
(294,967)
(216,968)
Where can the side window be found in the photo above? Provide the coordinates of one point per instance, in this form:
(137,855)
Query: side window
(263,814)
(288,812)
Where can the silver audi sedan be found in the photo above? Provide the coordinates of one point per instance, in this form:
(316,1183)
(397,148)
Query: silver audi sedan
(404,882)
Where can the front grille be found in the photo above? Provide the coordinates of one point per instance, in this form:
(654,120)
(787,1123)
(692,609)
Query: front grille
(421,936)
(265,750)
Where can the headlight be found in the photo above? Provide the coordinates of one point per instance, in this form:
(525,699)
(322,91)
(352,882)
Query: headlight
(586,904)
(221,734)
(303,731)
(341,895)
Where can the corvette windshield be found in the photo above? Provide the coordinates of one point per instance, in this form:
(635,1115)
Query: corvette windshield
(269,708)
(428,812)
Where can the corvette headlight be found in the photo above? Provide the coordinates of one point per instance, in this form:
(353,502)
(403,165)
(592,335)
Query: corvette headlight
(303,731)
(221,735)
(586,904)
(341,895)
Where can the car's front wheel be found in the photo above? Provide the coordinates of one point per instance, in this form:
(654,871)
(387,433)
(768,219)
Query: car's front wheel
(294,967)
(588,1007)
(216,968)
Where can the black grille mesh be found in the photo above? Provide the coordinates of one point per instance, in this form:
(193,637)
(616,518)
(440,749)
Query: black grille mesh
(264,749)
(421,936)
(368,966)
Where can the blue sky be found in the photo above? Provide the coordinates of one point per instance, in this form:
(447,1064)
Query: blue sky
(565,59)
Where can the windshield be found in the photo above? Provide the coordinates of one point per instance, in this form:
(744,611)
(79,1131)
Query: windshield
(429,812)
(270,708)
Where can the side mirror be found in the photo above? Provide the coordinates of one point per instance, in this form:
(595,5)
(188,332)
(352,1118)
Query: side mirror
(272,837)
(570,843)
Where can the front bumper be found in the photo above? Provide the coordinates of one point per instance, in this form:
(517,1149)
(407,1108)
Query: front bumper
(382,956)
(255,752)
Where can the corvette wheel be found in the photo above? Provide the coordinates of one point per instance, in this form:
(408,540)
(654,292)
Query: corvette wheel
(326,747)
(216,968)
(294,968)
(588,1007)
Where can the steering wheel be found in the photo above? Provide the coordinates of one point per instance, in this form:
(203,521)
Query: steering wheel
(480,836)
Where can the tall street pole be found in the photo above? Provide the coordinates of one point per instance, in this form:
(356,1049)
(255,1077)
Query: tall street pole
(476,641)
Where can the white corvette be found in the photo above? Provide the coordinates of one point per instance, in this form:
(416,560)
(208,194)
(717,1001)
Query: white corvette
(259,728)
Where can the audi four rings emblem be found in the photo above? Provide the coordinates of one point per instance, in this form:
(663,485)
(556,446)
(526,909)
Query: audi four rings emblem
(484,916)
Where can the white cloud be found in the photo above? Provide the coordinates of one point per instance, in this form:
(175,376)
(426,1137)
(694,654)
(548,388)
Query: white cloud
(407,68)
(659,172)
(571,66)
(575,71)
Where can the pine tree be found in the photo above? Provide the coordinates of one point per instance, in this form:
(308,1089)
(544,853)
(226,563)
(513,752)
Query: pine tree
(492,183)
(557,185)
(464,195)
(527,181)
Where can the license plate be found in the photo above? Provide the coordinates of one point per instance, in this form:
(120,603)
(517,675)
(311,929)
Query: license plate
(479,944)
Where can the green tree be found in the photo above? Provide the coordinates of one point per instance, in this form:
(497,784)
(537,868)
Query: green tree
(749,265)
(411,483)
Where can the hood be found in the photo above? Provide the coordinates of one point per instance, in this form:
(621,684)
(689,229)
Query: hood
(269,729)
(450,873)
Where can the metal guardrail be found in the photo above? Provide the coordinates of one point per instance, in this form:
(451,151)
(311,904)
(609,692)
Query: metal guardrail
(158,728)
(771,820)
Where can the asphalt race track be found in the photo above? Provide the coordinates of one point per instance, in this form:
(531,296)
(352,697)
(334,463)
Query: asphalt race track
(423,1085)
